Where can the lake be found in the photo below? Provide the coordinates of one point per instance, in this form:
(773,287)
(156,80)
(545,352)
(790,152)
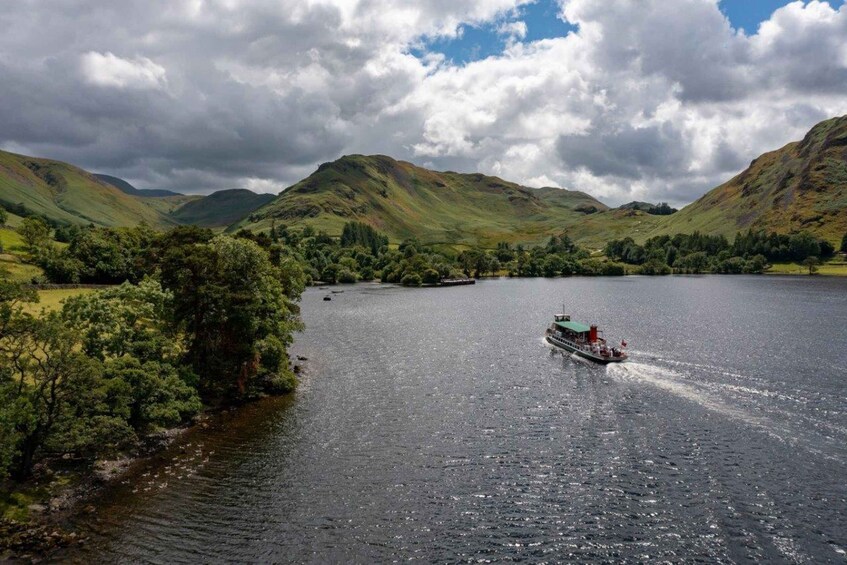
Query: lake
(437,425)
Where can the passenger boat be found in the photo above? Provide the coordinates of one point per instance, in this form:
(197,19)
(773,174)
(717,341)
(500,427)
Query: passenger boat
(583,340)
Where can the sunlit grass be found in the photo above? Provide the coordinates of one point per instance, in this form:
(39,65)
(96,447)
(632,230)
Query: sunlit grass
(51,300)
(11,266)
(11,240)
(832,268)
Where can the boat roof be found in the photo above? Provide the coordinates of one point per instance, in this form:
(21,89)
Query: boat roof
(577,327)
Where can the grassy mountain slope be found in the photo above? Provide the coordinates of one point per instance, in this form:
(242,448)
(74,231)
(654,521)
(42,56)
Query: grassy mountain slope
(802,186)
(127,188)
(403,200)
(70,195)
(220,208)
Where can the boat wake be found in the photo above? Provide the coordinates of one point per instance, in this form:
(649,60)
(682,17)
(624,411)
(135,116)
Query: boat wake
(678,385)
(713,397)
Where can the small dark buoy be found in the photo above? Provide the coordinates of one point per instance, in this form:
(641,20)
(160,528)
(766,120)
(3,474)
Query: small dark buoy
(327,297)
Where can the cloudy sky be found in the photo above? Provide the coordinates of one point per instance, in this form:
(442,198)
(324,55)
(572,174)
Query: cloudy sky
(625,99)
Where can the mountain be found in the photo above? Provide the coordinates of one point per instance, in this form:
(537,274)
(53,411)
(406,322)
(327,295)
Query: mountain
(802,186)
(127,188)
(403,200)
(70,195)
(656,209)
(220,208)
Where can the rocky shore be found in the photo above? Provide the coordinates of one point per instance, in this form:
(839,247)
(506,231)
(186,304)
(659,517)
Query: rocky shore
(34,514)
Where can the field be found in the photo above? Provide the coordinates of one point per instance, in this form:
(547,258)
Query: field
(11,241)
(51,300)
(832,268)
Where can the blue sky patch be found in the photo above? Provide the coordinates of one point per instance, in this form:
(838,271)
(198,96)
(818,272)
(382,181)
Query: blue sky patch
(542,22)
(479,42)
(748,14)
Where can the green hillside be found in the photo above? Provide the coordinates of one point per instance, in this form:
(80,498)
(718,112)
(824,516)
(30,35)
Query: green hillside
(67,194)
(127,188)
(220,208)
(403,200)
(802,186)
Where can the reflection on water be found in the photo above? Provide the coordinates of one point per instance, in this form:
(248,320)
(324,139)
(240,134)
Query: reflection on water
(436,424)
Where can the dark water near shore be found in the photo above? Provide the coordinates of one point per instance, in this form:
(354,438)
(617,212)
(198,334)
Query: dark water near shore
(435,424)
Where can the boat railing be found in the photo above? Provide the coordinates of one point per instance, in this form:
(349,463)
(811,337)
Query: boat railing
(585,347)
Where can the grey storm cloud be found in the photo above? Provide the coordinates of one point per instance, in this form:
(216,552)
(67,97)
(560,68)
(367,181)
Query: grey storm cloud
(627,152)
(641,102)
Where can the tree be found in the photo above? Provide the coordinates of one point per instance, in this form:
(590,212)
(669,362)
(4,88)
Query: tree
(156,395)
(129,319)
(812,264)
(431,276)
(48,375)
(4,216)
(35,233)
(412,279)
(553,266)
(844,243)
(236,314)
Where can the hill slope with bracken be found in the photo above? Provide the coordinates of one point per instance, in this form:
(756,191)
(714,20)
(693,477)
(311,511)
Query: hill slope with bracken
(70,195)
(403,200)
(802,186)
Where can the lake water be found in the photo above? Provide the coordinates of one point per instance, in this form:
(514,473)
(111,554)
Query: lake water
(436,424)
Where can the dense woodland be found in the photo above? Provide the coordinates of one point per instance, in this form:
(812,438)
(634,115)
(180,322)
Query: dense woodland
(750,252)
(197,319)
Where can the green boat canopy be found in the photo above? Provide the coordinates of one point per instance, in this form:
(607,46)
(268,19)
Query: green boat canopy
(574,327)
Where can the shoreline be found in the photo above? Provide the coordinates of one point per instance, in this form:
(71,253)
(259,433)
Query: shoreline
(58,498)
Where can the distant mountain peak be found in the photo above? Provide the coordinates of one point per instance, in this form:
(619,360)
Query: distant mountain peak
(127,188)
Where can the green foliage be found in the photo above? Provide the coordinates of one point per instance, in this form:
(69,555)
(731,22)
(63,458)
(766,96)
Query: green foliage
(228,299)
(90,378)
(113,365)
(844,243)
(106,255)
(662,210)
(654,267)
(358,233)
(4,216)
(149,395)
(699,253)
(411,279)
(125,320)
(347,276)
(35,233)
(45,378)
(812,264)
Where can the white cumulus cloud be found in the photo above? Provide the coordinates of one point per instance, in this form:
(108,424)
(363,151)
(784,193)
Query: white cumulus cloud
(107,69)
(642,101)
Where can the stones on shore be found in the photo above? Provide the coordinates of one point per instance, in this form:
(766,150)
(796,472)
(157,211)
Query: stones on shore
(27,542)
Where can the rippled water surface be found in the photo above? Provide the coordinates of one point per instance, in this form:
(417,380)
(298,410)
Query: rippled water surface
(435,424)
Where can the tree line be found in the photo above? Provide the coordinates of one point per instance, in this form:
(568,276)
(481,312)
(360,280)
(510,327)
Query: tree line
(198,319)
(750,252)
